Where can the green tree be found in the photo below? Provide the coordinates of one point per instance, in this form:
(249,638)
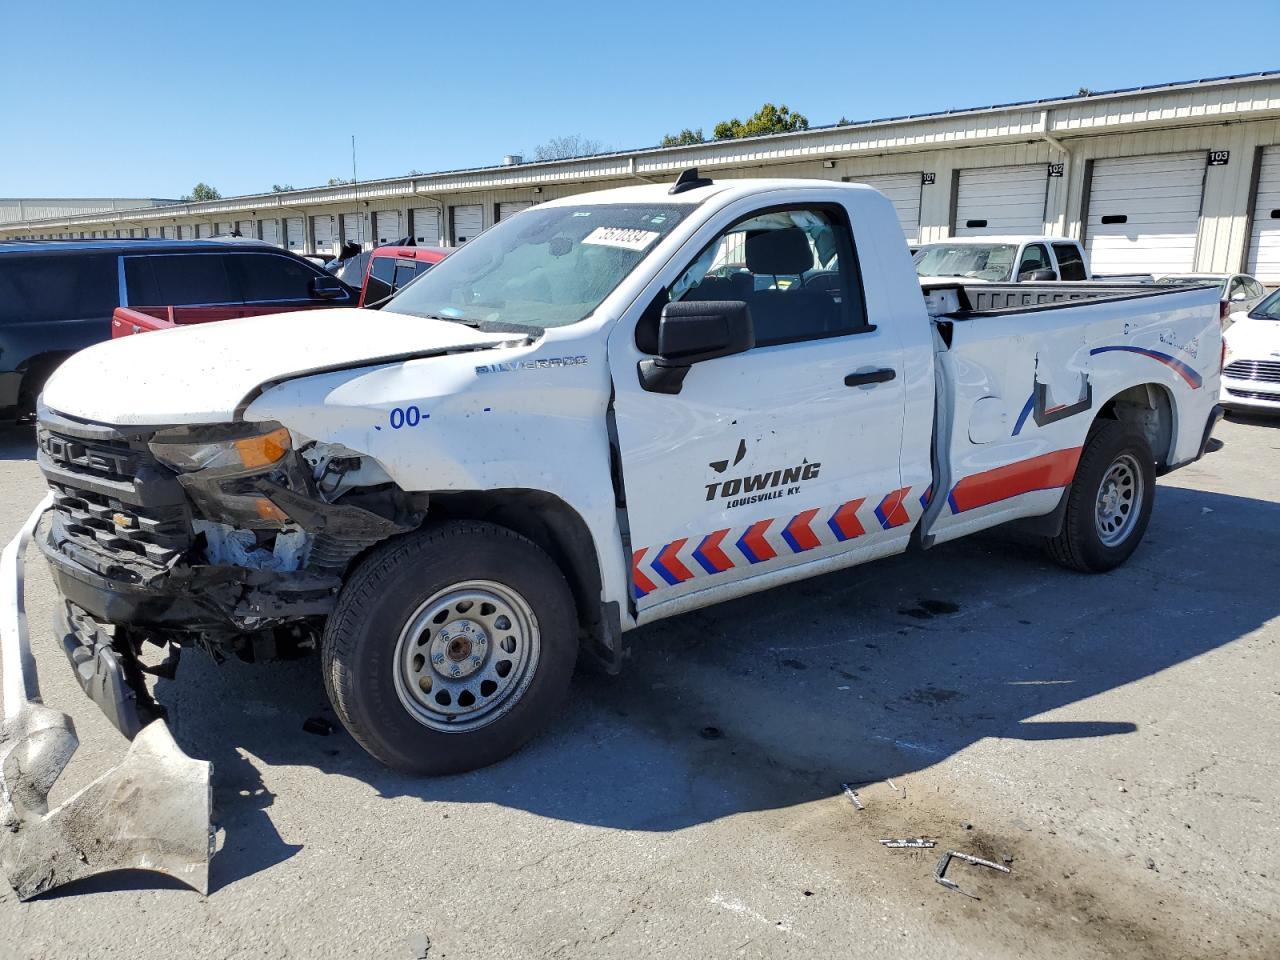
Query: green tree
(202,191)
(339,182)
(685,136)
(281,187)
(768,119)
(1084,92)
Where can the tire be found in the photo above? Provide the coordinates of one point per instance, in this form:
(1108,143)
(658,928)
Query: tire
(388,657)
(1087,542)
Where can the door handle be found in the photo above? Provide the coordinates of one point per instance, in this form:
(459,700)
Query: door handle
(870,377)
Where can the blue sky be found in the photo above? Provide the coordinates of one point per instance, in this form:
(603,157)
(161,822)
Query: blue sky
(146,98)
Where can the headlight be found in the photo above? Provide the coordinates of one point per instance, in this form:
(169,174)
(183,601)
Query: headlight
(246,452)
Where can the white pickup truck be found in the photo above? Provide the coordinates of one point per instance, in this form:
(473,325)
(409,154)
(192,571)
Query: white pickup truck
(609,409)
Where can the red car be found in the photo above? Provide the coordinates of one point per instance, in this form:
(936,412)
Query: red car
(389,269)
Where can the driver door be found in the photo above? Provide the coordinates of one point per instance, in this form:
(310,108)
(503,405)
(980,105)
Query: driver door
(782,456)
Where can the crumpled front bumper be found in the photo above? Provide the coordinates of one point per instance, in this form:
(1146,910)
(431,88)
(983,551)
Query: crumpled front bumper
(151,812)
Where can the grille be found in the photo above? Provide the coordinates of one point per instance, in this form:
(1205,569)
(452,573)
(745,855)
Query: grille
(113,501)
(1263,371)
(1254,395)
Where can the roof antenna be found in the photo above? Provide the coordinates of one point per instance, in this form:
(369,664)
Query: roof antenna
(689,180)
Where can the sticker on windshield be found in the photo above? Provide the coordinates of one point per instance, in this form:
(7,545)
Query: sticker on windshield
(625,237)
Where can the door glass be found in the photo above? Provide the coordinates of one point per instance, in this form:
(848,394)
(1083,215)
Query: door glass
(48,289)
(267,277)
(177,280)
(1034,257)
(406,270)
(795,270)
(381,275)
(1070,262)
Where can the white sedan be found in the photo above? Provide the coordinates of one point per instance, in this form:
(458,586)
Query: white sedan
(1251,377)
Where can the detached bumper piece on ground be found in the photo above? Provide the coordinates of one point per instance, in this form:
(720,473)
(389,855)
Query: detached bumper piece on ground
(151,812)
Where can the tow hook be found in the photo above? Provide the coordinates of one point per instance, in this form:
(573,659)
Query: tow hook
(151,812)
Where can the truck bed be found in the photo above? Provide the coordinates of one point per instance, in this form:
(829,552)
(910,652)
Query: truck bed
(962,301)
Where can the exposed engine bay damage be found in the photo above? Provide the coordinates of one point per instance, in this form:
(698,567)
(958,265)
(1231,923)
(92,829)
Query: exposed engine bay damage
(231,538)
(151,812)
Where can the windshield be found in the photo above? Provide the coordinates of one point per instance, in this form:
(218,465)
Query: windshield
(977,261)
(544,267)
(1268,309)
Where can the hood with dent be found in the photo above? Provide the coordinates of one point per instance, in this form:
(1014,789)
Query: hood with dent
(203,374)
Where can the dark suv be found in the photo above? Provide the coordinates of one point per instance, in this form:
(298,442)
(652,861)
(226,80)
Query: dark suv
(57,296)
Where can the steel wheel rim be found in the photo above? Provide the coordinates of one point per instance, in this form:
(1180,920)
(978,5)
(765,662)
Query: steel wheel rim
(466,655)
(1119,500)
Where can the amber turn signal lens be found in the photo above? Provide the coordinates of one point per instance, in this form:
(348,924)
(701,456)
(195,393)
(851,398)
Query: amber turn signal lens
(269,511)
(264,450)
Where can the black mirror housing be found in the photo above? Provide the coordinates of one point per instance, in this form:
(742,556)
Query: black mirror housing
(1042,274)
(692,332)
(327,287)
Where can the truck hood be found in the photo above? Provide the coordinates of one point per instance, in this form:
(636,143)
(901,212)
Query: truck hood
(206,373)
(1250,339)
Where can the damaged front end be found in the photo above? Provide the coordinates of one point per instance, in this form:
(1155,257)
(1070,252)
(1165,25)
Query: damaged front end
(231,538)
(151,812)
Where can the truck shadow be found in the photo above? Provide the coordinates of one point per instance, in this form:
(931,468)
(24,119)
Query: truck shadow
(777,699)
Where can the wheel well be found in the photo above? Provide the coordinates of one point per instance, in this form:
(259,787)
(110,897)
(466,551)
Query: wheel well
(1148,407)
(558,529)
(35,371)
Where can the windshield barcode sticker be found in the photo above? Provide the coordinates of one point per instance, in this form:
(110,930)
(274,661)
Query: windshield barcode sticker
(624,237)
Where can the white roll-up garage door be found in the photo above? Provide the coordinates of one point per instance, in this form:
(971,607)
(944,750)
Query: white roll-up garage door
(204,230)
(510,207)
(386,226)
(222,228)
(247,228)
(1264,239)
(468,220)
(426,226)
(1144,213)
(355,231)
(903,190)
(271,232)
(294,237)
(324,231)
(1001,200)
(185,231)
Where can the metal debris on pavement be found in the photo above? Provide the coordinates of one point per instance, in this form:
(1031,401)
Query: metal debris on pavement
(918,843)
(940,873)
(896,789)
(853,796)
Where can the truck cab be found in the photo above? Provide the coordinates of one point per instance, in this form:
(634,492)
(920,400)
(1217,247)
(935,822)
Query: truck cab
(985,259)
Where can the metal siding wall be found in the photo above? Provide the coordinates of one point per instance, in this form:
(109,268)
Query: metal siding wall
(1264,240)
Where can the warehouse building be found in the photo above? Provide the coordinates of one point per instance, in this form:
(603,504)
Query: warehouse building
(1171,178)
(21,211)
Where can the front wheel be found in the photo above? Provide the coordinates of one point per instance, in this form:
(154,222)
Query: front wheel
(450,648)
(1109,501)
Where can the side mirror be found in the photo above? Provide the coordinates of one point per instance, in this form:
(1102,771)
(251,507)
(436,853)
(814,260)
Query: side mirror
(1042,274)
(327,287)
(1239,297)
(692,332)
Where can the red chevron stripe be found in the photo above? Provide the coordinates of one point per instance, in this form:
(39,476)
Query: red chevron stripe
(641,583)
(845,520)
(892,511)
(671,561)
(754,540)
(711,555)
(801,536)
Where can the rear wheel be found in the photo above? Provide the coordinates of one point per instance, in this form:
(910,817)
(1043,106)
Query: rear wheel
(450,648)
(1109,501)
